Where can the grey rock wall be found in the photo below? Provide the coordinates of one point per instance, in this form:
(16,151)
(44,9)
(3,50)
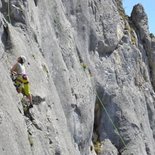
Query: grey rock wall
(84,56)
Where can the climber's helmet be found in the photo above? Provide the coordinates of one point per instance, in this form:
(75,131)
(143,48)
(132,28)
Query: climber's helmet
(22,59)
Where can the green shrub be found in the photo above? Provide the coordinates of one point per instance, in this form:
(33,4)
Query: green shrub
(151,35)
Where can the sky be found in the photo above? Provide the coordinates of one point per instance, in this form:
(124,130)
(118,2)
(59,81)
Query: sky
(149,7)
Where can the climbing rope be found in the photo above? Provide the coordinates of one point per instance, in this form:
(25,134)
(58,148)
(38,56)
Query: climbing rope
(9,18)
(121,138)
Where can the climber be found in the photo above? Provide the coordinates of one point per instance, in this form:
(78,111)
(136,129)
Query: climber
(21,82)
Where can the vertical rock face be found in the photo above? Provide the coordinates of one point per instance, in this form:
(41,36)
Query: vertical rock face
(92,76)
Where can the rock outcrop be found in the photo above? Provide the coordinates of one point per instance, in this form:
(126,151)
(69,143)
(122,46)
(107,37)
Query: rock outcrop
(92,75)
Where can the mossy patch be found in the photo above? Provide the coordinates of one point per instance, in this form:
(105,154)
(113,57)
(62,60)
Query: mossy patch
(133,37)
(130,29)
(121,10)
(84,66)
(97,147)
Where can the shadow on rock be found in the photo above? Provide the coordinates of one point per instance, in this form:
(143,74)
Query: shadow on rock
(37,100)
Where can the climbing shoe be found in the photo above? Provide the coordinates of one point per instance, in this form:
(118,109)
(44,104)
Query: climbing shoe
(30,106)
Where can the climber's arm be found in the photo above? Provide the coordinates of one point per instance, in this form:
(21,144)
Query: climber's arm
(14,69)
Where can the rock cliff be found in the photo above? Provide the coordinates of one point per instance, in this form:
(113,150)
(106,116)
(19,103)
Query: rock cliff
(92,76)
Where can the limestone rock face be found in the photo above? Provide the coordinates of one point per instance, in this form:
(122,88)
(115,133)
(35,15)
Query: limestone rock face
(92,77)
(140,20)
